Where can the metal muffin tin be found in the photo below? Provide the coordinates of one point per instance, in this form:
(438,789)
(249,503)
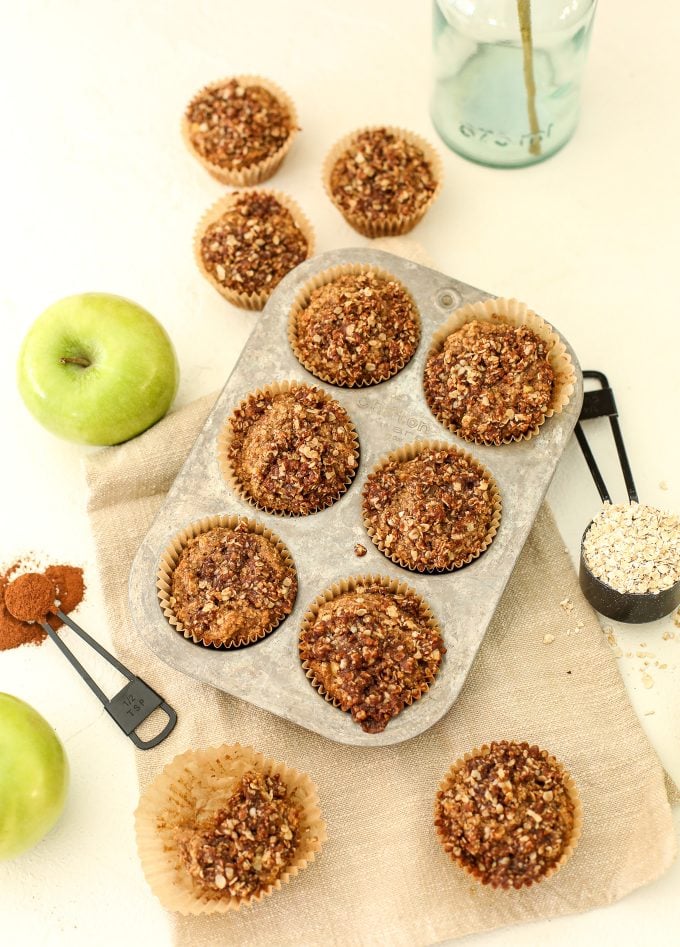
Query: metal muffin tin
(386,416)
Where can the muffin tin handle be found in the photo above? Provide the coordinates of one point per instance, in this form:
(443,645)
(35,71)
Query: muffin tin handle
(131,706)
(600,403)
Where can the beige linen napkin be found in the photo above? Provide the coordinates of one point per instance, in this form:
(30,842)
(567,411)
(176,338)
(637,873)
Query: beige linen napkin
(382,878)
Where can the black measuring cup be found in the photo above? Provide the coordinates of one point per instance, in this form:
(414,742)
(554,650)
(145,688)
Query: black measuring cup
(633,607)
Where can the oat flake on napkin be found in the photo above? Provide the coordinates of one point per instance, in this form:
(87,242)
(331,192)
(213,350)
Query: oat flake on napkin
(382,878)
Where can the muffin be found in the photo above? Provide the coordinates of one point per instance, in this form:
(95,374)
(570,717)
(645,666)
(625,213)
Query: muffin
(371,646)
(240,129)
(508,814)
(227,582)
(495,372)
(382,180)
(248,241)
(431,507)
(289,449)
(354,326)
(224,827)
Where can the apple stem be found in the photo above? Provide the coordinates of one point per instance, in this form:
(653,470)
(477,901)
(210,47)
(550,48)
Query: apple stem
(75,360)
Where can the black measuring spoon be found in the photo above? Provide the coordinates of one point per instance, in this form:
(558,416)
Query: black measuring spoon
(131,706)
(632,607)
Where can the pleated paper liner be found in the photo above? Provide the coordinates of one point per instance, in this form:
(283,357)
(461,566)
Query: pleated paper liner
(251,301)
(170,559)
(352,584)
(302,300)
(514,313)
(261,170)
(225,439)
(569,847)
(410,452)
(396,224)
(191,789)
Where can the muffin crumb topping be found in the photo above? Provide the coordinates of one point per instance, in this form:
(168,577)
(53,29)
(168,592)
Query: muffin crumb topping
(357,329)
(253,244)
(490,382)
(293,451)
(506,814)
(231,585)
(433,512)
(235,126)
(249,843)
(382,176)
(373,651)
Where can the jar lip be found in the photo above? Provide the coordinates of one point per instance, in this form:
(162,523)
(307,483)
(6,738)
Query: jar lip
(497,15)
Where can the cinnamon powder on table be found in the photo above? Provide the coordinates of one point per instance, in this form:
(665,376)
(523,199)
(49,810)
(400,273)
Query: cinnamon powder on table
(70,589)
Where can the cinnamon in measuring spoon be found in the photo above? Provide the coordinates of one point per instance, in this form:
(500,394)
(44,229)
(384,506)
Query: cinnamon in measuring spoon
(70,589)
(30,597)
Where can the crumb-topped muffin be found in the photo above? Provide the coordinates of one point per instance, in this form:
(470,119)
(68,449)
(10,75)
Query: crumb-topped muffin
(490,382)
(223,827)
(231,585)
(290,449)
(240,128)
(357,329)
(248,242)
(372,650)
(508,814)
(431,508)
(245,846)
(382,180)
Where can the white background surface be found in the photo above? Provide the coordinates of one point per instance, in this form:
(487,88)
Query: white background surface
(98,193)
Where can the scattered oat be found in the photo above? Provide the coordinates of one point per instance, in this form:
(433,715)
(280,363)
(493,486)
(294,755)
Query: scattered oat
(676,618)
(548,639)
(359,550)
(634,548)
(580,624)
(647,680)
(567,605)
(668,635)
(649,713)
(644,654)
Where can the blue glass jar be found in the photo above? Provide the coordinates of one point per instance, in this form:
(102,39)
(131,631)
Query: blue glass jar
(508,76)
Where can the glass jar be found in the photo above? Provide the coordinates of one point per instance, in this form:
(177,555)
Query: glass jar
(508,76)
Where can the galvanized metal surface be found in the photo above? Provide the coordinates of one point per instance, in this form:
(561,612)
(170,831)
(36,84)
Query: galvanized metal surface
(386,416)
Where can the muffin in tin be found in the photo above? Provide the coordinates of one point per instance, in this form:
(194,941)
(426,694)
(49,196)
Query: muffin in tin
(289,449)
(431,507)
(354,326)
(371,647)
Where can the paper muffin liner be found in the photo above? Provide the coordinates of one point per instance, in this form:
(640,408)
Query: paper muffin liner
(170,559)
(252,301)
(198,783)
(512,312)
(397,224)
(570,845)
(351,584)
(255,173)
(224,439)
(329,276)
(409,452)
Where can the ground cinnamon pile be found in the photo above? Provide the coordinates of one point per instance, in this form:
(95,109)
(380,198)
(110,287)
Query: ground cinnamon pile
(69,586)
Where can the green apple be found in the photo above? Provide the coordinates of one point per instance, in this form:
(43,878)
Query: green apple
(97,369)
(33,777)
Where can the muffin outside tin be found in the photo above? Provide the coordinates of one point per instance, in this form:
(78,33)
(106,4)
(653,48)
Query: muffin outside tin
(386,416)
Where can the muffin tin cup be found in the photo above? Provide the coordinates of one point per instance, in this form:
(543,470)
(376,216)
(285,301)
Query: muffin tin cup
(225,438)
(197,783)
(511,312)
(570,846)
(351,584)
(397,224)
(409,452)
(302,301)
(251,301)
(262,170)
(170,559)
